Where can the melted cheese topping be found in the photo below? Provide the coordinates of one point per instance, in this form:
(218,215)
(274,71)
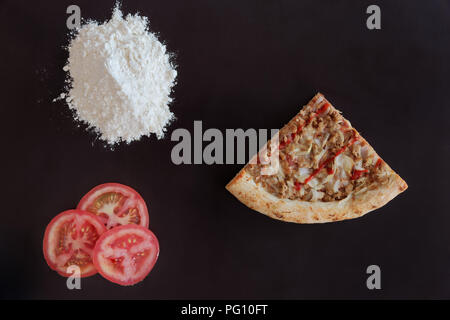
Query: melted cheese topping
(322,158)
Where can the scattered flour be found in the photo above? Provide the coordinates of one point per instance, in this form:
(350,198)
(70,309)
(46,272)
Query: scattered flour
(120,79)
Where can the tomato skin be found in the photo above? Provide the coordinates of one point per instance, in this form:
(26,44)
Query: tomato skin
(90,196)
(109,237)
(47,246)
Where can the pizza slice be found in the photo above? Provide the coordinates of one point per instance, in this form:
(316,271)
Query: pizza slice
(321,170)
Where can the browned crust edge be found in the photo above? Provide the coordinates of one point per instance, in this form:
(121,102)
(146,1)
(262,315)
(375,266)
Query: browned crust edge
(255,197)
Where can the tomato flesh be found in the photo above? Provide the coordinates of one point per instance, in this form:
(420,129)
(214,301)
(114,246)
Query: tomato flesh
(126,254)
(70,240)
(115,204)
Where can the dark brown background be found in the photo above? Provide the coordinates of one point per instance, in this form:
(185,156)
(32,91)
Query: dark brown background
(241,64)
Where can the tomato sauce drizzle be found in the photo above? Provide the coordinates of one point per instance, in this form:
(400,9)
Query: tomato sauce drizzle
(322,109)
(358,173)
(379,162)
(326,162)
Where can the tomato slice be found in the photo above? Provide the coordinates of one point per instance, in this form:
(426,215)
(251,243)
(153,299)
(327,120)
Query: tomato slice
(70,240)
(115,204)
(126,254)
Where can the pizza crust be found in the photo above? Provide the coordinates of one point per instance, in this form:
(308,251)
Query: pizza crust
(257,198)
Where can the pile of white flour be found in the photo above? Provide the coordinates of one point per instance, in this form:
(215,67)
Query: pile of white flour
(120,79)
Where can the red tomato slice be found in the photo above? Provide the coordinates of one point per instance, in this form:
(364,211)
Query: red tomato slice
(126,254)
(115,204)
(70,240)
